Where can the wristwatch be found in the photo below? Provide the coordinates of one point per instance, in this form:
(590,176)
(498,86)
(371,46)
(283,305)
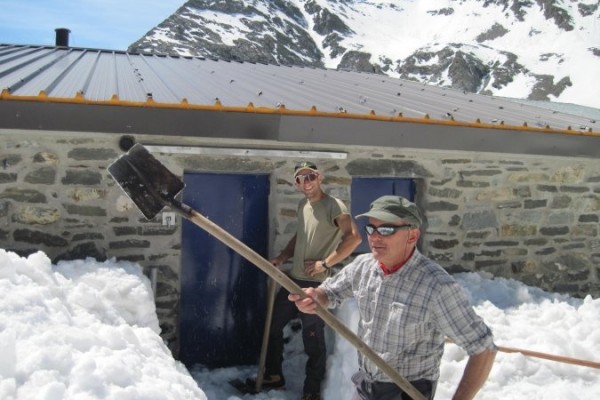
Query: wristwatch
(324,264)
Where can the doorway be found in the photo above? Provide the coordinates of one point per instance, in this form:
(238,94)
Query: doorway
(223,296)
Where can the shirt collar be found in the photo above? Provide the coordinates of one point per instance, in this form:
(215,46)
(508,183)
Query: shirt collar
(390,270)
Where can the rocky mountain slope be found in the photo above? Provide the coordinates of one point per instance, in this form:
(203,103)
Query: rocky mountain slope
(530,49)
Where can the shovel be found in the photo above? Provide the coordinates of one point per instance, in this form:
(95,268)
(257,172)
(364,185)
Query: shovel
(151,186)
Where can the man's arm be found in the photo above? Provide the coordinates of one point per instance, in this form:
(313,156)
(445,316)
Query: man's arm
(308,304)
(475,374)
(350,241)
(286,253)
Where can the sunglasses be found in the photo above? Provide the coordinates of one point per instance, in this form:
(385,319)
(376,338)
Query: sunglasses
(300,179)
(386,230)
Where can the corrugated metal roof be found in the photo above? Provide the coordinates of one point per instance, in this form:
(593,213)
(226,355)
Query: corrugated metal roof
(78,75)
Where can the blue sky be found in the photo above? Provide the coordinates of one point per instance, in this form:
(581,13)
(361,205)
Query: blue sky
(105,24)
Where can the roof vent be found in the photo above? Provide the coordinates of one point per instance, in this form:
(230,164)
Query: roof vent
(62,37)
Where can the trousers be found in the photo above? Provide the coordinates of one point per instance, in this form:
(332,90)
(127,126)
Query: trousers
(313,337)
(373,390)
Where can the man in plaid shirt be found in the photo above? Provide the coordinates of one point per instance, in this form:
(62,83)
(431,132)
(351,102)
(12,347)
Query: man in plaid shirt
(408,304)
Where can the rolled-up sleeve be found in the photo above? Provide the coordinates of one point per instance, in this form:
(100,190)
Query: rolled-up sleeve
(457,319)
(341,286)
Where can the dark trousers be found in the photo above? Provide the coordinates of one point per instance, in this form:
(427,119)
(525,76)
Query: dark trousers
(369,390)
(313,336)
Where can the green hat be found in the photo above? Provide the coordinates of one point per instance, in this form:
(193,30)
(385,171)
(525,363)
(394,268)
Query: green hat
(394,209)
(302,165)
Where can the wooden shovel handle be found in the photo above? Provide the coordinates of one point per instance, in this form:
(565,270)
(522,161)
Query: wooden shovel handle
(546,356)
(553,357)
(292,287)
(272,289)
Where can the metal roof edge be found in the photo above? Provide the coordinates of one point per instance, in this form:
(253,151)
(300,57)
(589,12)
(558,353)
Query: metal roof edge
(79,98)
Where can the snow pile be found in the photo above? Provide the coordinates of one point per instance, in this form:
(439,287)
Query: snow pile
(83,330)
(86,330)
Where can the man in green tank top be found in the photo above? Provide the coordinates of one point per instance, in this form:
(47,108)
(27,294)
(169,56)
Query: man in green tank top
(325,236)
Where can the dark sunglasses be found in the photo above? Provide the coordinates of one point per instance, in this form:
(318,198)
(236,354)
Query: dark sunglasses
(386,230)
(300,179)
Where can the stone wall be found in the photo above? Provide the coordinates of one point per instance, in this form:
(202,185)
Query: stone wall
(534,219)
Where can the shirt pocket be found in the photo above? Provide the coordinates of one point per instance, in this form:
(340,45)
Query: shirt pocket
(404,329)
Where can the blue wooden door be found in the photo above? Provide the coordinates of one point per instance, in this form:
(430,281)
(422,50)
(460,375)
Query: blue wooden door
(223,296)
(365,190)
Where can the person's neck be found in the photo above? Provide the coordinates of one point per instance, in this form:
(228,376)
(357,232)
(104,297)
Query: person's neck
(313,198)
(399,262)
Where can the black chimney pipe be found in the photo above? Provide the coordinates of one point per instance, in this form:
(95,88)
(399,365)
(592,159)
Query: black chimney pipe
(62,37)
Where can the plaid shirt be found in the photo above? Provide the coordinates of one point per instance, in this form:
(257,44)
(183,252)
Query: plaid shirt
(405,316)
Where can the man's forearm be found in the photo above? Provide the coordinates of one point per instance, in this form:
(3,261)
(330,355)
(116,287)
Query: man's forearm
(288,251)
(350,241)
(342,252)
(475,374)
(309,304)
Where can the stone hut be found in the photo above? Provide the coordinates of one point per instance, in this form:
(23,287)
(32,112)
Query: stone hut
(507,188)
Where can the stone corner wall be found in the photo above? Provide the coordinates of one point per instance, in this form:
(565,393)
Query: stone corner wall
(56,196)
(531,220)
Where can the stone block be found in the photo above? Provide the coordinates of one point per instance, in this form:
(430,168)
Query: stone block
(23,195)
(479,220)
(31,215)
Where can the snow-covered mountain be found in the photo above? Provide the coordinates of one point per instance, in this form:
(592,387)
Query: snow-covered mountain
(529,49)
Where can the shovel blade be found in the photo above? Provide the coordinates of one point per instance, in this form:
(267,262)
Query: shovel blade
(148,183)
